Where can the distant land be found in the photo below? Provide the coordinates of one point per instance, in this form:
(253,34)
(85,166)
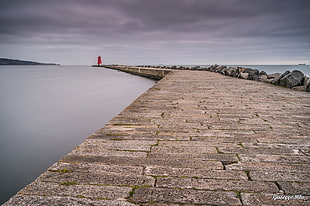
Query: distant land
(5,61)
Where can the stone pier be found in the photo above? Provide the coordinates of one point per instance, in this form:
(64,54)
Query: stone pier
(194,138)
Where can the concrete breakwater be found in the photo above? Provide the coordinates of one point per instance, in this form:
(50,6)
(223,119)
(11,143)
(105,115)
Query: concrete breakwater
(194,138)
(155,74)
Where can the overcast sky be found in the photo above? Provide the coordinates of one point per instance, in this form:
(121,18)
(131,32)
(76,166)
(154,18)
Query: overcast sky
(156,31)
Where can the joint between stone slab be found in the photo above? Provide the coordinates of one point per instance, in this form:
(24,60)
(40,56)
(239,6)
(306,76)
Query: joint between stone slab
(238,195)
(247,172)
(279,187)
(218,151)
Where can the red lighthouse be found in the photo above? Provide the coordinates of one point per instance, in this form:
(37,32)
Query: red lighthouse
(99,61)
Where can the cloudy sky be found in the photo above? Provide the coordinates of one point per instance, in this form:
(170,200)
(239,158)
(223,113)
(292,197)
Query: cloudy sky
(156,31)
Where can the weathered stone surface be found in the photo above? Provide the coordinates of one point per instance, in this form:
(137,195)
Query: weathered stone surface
(253,166)
(293,188)
(142,195)
(188,149)
(185,163)
(63,201)
(274,158)
(231,158)
(293,79)
(307,83)
(276,81)
(191,172)
(253,74)
(244,75)
(299,88)
(263,76)
(99,178)
(280,176)
(229,71)
(95,168)
(273,76)
(211,184)
(273,199)
(87,191)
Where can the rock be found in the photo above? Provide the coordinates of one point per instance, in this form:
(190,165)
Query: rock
(307,83)
(239,71)
(220,69)
(273,76)
(262,76)
(269,81)
(229,71)
(235,72)
(293,79)
(299,88)
(213,67)
(244,75)
(277,79)
(253,73)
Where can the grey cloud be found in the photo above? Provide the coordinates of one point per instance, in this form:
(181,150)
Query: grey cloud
(189,25)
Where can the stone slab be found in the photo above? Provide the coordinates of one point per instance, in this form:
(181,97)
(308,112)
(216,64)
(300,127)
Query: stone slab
(144,195)
(280,176)
(95,168)
(192,172)
(62,201)
(296,188)
(99,178)
(173,162)
(274,199)
(216,184)
(85,191)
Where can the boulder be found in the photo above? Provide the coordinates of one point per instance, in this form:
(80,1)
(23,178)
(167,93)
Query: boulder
(273,76)
(307,83)
(253,73)
(293,79)
(213,67)
(239,71)
(299,88)
(220,69)
(269,81)
(262,76)
(235,72)
(229,71)
(277,79)
(244,75)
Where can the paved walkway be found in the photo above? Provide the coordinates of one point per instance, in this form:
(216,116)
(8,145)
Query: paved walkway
(195,138)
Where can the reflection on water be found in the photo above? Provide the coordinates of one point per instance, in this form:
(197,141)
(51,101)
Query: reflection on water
(45,111)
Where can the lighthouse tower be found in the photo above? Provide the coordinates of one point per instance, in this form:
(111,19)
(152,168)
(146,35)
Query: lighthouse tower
(99,62)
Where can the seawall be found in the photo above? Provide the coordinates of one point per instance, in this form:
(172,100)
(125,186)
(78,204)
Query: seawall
(195,137)
(152,73)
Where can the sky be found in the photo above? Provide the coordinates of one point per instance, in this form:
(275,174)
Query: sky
(188,32)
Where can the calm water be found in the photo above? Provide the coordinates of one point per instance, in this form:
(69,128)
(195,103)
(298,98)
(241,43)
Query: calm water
(45,111)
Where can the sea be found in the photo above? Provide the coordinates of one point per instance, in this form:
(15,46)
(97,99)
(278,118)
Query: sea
(46,111)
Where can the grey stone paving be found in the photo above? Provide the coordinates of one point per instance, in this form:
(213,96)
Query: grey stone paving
(194,138)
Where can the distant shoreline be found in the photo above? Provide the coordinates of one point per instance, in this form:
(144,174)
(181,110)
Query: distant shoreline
(5,61)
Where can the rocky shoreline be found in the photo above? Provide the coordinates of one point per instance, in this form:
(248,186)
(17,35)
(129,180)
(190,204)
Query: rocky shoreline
(290,79)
